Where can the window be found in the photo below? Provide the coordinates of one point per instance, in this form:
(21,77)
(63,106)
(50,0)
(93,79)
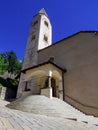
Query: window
(33,37)
(51,59)
(46,23)
(45,38)
(35,23)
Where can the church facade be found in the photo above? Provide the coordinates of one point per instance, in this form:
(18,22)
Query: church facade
(67,69)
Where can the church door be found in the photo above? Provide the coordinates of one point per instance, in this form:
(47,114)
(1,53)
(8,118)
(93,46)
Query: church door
(53,85)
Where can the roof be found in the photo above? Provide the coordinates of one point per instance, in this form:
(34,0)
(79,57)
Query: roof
(48,62)
(93,31)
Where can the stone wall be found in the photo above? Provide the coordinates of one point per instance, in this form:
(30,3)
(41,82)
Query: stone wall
(79,55)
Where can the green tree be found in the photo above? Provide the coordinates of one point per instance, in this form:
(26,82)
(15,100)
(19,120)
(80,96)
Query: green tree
(3,64)
(12,59)
(10,63)
(18,67)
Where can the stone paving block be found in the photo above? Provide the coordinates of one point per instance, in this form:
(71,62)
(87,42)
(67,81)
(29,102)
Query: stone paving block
(25,127)
(5,123)
(15,124)
(13,129)
(1,123)
(2,127)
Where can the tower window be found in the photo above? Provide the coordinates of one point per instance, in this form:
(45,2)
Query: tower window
(51,59)
(36,22)
(45,38)
(33,37)
(45,22)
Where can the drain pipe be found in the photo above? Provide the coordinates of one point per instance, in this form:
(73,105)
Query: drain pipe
(63,85)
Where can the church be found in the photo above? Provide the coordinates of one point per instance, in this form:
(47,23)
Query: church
(67,69)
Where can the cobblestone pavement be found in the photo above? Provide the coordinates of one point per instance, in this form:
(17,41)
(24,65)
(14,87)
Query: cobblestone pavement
(17,120)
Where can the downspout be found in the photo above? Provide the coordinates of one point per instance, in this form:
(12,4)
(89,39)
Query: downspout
(63,85)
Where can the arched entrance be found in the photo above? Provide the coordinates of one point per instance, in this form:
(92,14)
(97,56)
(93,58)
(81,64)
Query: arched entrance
(45,79)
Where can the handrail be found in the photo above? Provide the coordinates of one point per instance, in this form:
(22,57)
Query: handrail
(80,102)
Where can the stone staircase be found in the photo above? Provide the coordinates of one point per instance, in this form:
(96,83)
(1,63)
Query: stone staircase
(75,114)
(54,107)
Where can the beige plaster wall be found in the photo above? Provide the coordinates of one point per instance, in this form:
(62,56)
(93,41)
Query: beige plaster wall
(79,55)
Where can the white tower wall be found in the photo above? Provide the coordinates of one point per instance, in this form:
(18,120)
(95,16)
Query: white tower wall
(45,31)
(40,36)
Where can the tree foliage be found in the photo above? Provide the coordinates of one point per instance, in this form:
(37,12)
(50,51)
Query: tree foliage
(10,63)
(3,64)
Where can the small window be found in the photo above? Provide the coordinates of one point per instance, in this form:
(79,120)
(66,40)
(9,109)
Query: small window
(51,59)
(33,37)
(36,22)
(46,23)
(45,38)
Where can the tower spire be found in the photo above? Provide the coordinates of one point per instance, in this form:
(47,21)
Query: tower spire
(42,11)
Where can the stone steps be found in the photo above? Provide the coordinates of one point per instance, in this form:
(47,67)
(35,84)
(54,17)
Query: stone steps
(51,107)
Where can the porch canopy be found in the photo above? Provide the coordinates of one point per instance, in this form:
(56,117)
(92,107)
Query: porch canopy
(45,79)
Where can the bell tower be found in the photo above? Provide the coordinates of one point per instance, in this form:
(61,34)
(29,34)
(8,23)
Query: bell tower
(40,36)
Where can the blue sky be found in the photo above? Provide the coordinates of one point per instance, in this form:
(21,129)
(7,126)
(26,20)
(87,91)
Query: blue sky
(67,17)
